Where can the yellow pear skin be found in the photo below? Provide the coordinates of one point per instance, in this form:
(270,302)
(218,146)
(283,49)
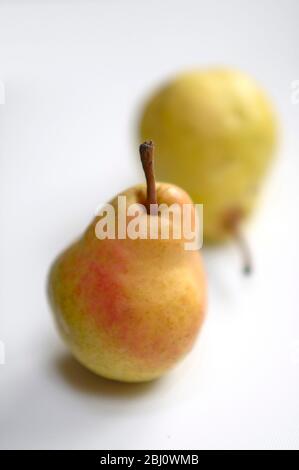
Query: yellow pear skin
(215,133)
(129,310)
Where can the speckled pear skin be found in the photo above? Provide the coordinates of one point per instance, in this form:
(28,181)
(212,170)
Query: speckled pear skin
(129,310)
(215,133)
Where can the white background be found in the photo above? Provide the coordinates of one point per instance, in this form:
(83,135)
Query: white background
(75,73)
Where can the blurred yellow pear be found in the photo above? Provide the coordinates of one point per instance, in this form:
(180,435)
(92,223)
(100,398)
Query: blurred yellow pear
(215,133)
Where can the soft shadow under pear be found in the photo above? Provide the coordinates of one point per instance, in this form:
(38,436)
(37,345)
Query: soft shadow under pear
(87,382)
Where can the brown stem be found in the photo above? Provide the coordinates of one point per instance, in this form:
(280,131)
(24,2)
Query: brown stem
(146,151)
(232,225)
(247,261)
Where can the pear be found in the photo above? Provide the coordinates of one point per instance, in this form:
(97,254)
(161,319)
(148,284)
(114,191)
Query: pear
(130,308)
(215,132)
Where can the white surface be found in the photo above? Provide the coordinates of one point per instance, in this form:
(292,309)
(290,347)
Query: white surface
(75,73)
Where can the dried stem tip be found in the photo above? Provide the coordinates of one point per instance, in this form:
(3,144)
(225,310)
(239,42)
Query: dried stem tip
(232,225)
(247,261)
(146,151)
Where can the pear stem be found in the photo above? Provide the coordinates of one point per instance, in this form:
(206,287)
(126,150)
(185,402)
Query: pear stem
(247,259)
(146,151)
(232,225)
